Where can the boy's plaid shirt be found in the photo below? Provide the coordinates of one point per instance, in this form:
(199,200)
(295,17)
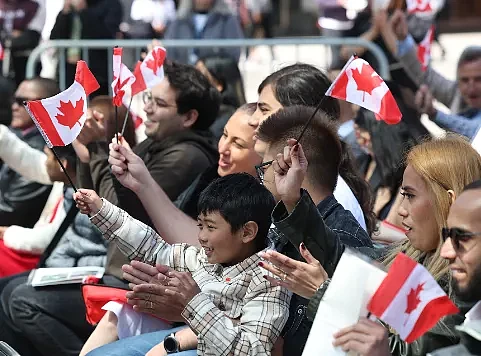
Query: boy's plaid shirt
(237,312)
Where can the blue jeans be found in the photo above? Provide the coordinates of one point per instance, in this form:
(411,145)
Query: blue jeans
(138,345)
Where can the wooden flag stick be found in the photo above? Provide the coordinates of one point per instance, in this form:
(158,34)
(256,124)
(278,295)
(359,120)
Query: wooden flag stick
(126,116)
(64,170)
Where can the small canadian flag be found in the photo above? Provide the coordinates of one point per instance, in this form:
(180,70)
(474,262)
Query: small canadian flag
(123,77)
(424,49)
(359,84)
(60,118)
(150,71)
(423,7)
(410,300)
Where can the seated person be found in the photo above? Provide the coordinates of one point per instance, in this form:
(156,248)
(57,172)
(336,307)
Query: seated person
(21,247)
(22,200)
(233,307)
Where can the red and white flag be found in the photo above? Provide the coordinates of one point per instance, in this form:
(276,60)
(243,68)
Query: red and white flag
(150,71)
(359,84)
(410,300)
(424,49)
(419,6)
(60,118)
(2,52)
(123,77)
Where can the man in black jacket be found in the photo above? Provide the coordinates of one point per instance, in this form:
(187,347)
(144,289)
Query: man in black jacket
(21,200)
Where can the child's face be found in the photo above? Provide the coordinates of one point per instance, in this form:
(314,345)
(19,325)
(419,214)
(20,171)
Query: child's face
(219,243)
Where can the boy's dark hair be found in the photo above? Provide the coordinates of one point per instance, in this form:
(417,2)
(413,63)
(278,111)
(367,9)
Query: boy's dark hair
(68,153)
(193,92)
(302,84)
(320,141)
(239,198)
(47,87)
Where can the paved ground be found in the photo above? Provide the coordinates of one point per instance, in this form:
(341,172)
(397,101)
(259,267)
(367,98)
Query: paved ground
(259,64)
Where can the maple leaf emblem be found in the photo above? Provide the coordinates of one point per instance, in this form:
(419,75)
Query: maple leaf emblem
(365,80)
(70,114)
(413,299)
(157,61)
(118,91)
(423,5)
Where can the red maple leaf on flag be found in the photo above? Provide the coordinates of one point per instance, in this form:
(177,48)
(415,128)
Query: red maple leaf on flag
(118,91)
(365,80)
(69,114)
(158,60)
(413,299)
(421,6)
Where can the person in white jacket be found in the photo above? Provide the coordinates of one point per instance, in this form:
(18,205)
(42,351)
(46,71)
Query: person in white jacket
(21,247)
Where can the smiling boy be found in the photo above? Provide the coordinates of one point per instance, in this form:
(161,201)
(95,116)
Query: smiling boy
(236,311)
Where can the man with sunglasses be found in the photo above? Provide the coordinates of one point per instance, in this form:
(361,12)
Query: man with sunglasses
(21,200)
(462,247)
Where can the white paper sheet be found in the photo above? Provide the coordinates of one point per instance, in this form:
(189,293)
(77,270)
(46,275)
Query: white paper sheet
(354,282)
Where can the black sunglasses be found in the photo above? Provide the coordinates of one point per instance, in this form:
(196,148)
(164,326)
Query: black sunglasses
(261,168)
(20,100)
(457,236)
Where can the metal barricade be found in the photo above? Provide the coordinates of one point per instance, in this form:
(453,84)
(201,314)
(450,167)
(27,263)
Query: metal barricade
(85,45)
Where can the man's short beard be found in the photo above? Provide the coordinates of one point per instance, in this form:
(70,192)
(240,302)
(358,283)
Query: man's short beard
(472,293)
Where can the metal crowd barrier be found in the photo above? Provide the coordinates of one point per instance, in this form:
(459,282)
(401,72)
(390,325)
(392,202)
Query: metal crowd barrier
(85,45)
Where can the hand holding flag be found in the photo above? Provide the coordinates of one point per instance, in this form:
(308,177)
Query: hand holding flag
(410,300)
(359,84)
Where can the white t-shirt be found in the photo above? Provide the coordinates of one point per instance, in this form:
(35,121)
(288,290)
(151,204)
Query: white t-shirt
(346,198)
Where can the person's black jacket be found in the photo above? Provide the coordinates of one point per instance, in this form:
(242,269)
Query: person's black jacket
(320,237)
(100,20)
(21,200)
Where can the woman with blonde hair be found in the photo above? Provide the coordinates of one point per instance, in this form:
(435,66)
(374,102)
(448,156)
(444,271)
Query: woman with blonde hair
(436,173)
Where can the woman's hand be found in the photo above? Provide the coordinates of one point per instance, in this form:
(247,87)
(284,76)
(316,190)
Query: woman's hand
(127,167)
(87,201)
(299,277)
(366,338)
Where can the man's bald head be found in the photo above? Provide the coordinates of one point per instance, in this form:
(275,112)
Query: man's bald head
(463,249)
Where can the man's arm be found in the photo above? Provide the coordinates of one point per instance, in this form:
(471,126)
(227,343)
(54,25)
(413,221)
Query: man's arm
(457,123)
(23,158)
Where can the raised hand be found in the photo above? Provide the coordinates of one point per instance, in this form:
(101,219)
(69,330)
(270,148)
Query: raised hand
(424,101)
(87,201)
(299,277)
(127,167)
(94,128)
(290,169)
(399,25)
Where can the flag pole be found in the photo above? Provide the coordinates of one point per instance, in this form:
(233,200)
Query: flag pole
(116,124)
(126,116)
(64,170)
(310,119)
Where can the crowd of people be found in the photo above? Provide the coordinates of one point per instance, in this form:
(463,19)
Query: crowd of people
(222,226)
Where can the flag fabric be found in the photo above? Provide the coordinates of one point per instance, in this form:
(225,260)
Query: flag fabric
(150,71)
(410,300)
(359,84)
(424,49)
(2,52)
(123,77)
(419,6)
(60,118)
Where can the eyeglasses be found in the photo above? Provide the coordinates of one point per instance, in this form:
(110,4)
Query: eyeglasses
(148,98)
(457,236)
(261,169)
